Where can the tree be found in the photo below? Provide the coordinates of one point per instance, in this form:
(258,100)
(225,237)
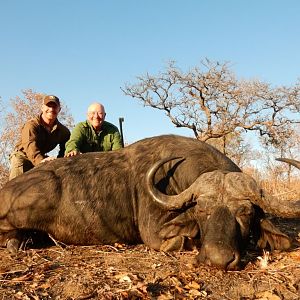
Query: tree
(17,112)
(235,146)
(214,104)
(289,149)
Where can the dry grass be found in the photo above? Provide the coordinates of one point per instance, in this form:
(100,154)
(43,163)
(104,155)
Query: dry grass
(137,272)
(282,189)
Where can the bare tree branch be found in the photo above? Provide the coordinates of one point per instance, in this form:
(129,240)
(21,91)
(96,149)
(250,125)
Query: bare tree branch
(213,103)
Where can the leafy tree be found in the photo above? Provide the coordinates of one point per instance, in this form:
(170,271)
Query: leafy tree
(13,116)
(214,104)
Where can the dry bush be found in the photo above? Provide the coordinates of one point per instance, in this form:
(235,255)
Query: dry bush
(282,189)
(281,181)
(277,179)
(3,174)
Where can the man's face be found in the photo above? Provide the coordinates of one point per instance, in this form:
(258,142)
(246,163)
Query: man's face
(50,111)
(96,115)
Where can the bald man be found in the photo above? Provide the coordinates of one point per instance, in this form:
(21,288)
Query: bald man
(94,134)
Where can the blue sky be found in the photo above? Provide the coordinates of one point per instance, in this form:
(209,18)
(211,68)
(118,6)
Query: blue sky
(85,50)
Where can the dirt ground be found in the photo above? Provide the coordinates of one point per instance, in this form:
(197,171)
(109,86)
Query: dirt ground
(137,272)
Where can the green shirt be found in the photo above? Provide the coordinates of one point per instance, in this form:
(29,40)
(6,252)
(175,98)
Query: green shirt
(85,139)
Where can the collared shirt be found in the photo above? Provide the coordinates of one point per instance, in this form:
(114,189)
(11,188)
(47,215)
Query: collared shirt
(36,140)
(85,139)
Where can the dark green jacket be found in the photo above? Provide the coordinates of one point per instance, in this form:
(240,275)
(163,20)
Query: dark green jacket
(84,138)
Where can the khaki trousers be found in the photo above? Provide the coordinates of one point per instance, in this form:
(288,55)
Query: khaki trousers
(19,164)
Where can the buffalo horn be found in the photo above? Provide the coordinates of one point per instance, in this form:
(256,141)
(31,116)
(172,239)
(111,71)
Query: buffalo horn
(169,202)
(290,161)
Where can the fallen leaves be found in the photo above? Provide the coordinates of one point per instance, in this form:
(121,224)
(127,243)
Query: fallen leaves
(267,295)
(123,272)
(123,278)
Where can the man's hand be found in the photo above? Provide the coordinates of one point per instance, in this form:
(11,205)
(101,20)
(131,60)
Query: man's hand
(50,158)
(72,153)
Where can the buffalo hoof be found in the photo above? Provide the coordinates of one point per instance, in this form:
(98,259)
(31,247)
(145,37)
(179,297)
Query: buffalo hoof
(13,246)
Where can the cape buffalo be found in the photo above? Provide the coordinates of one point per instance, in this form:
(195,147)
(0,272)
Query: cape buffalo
(169,192)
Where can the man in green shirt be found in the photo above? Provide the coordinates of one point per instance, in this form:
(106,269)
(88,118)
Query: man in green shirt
(94,134)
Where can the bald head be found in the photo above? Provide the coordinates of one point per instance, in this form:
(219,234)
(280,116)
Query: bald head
(96,107)
(96,115)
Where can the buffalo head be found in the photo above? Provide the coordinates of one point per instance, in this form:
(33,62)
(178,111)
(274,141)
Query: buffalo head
(228,208)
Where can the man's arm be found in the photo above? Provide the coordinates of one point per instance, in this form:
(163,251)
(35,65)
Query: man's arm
(29,136)
(117,141)
(73,145)
(65,136)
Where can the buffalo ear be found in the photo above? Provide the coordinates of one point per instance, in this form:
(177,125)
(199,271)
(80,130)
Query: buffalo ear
(272,236)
